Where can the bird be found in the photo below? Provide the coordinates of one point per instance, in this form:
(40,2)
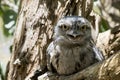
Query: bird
(72,48)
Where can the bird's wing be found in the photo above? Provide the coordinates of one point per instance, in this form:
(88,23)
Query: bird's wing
(50,53)
(98,54)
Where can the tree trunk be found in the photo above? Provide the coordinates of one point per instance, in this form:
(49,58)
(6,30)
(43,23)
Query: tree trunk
(34,33)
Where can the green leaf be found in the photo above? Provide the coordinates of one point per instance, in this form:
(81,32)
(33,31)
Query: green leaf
(104,25)
(9,16)
(6,32)
(11,47)
(1,73)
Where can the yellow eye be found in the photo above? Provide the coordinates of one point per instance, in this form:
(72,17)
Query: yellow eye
(64,27)
(83,28)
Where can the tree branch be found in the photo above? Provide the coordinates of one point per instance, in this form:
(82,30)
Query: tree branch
(99,71)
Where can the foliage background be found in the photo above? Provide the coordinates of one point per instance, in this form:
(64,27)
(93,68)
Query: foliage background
(8,16)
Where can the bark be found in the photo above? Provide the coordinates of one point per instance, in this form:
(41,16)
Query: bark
(109,41)
(110,11)
(34,32)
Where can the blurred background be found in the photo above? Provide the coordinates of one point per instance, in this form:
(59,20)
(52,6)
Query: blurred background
(8,16)
(107,14)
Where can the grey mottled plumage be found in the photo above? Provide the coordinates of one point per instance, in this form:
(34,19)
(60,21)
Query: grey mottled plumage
(71,49)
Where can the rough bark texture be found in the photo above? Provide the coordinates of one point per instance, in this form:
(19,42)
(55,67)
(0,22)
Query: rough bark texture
(110,10)
(34,32)
(109,41)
